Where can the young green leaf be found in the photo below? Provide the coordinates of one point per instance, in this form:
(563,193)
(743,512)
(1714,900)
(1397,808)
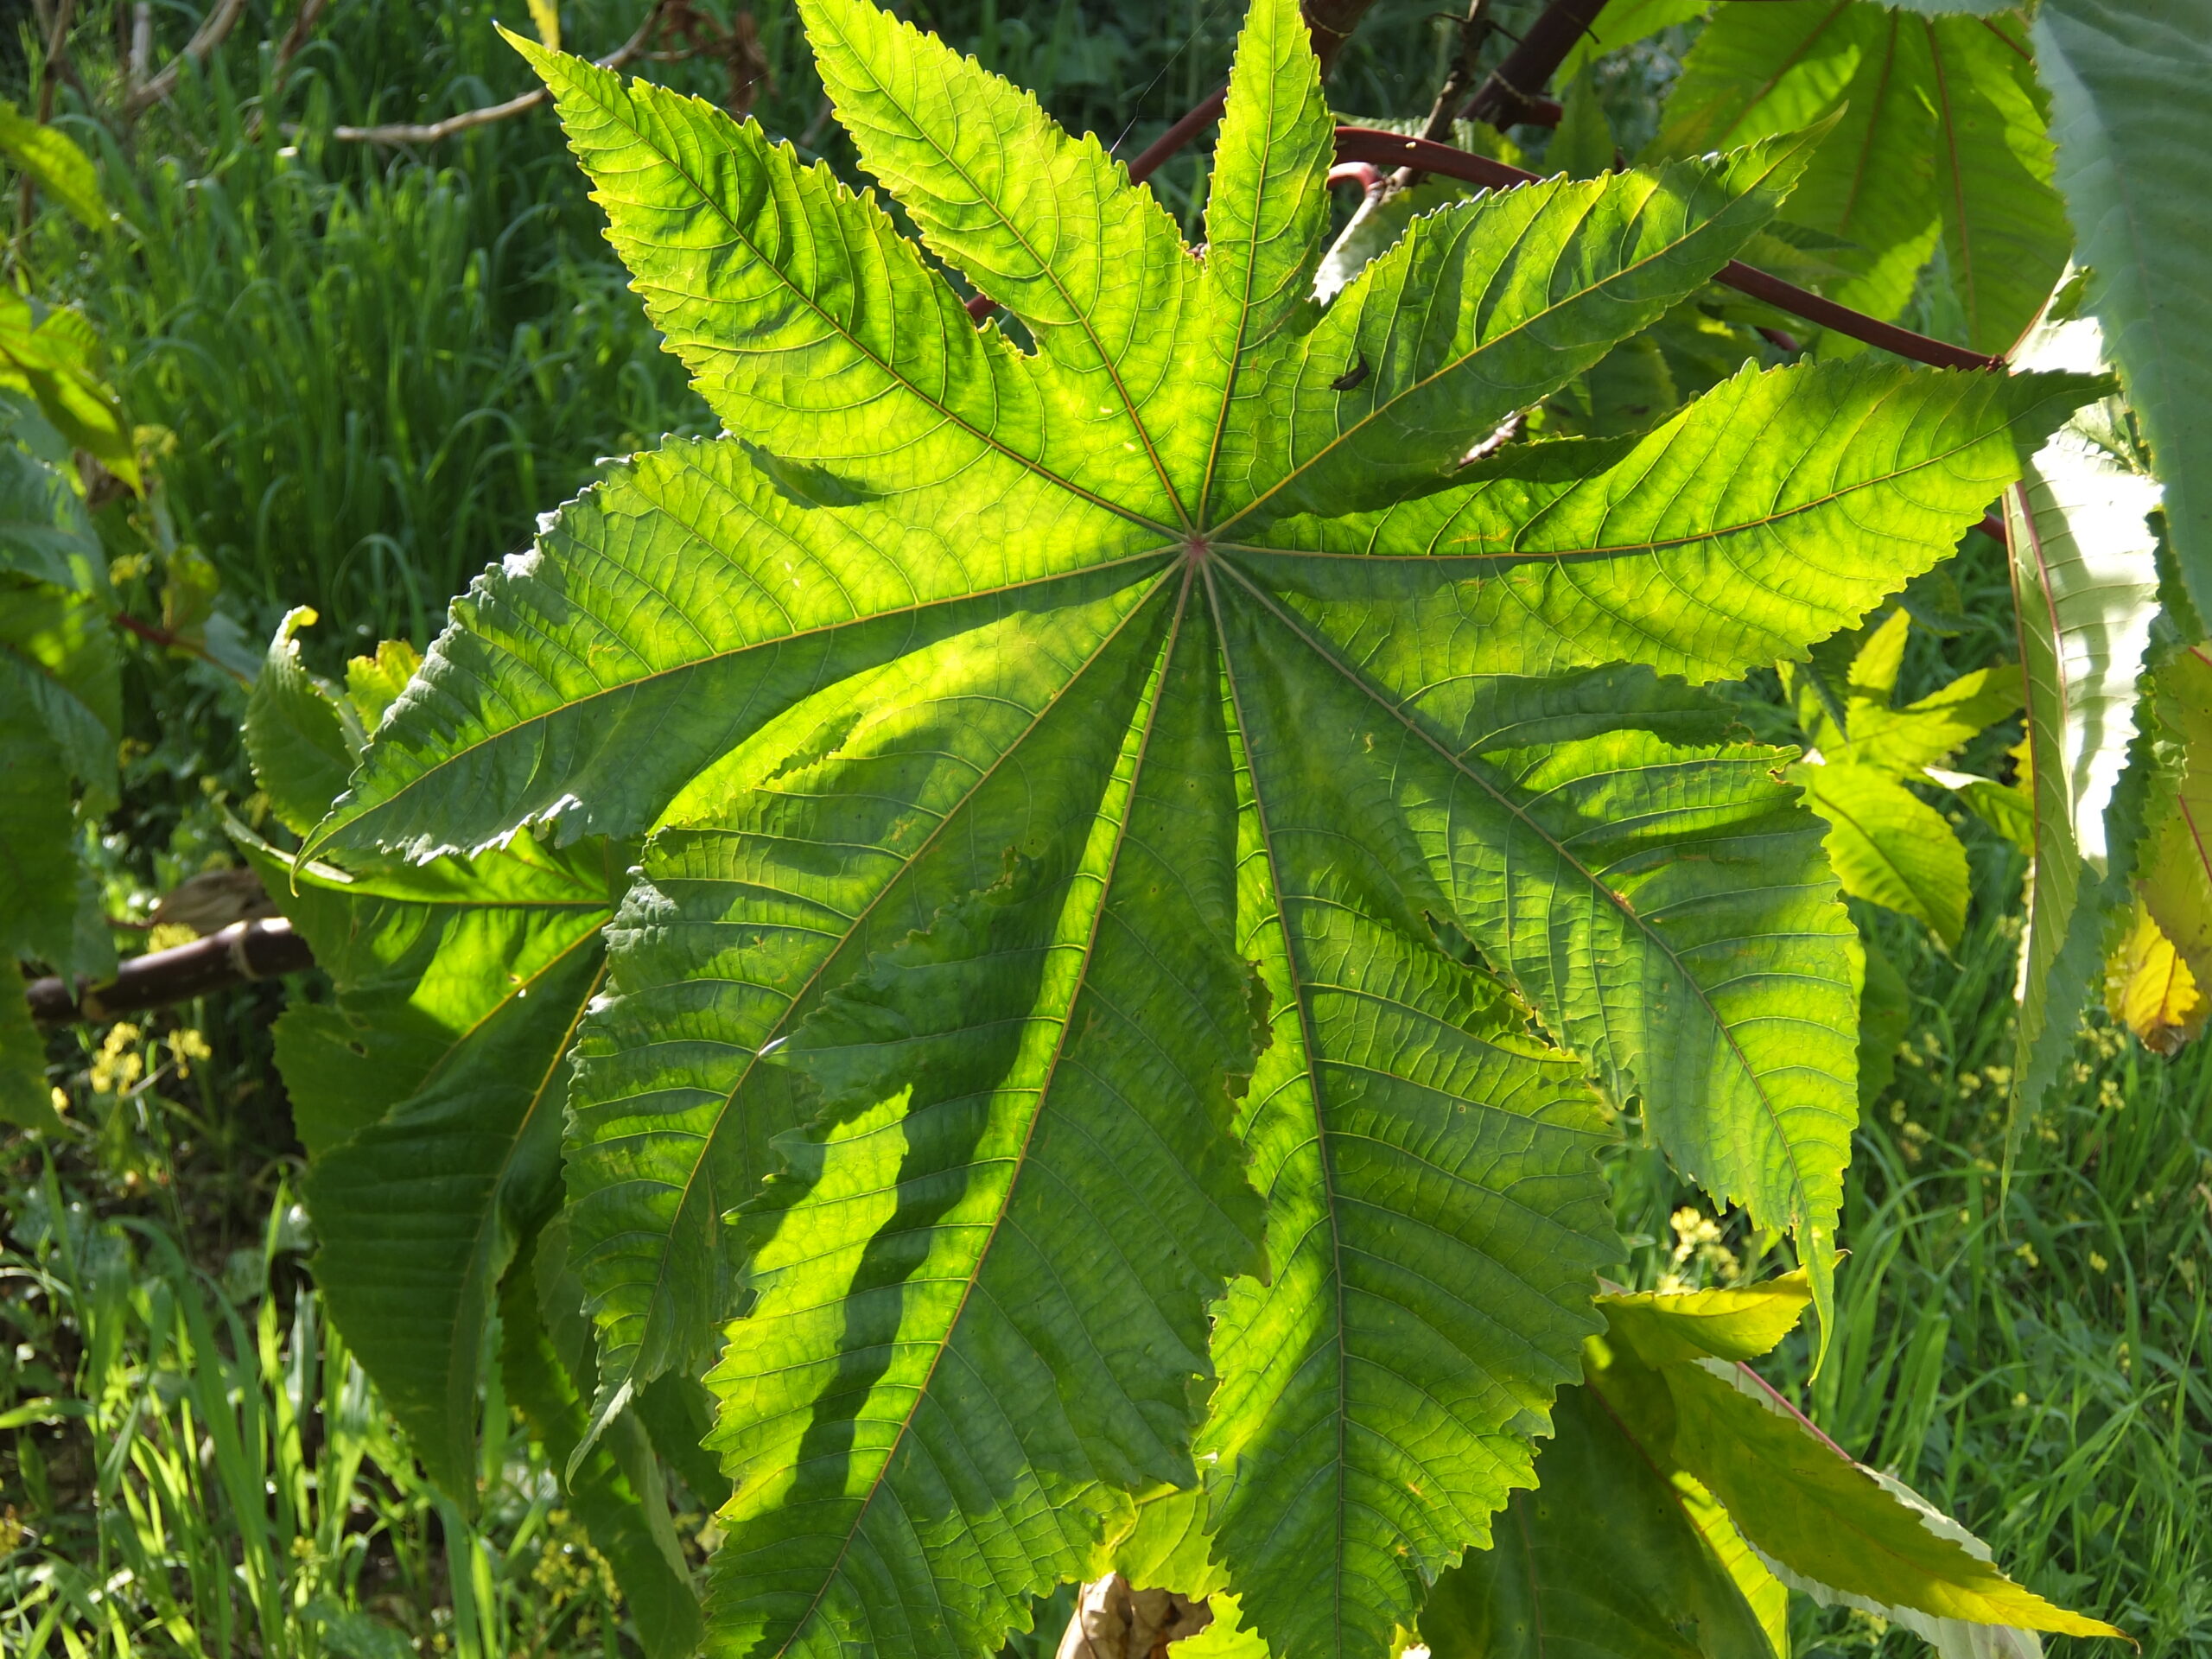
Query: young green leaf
(1734,1323)
(1889,846)
(2150,989)
(51,158)
(54,360)
(296,732)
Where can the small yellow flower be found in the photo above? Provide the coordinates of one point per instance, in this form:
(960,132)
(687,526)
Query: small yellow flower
(2019,1403)
(186,1046)
(2097,1263)
(119,1064)
(2027,1254)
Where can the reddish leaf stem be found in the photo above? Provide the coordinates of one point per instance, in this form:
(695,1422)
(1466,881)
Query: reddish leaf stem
(1511,94)
(1392,150)
(1149,160)
(159,636)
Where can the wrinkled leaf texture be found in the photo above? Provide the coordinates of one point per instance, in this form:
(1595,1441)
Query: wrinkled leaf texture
(1136,815)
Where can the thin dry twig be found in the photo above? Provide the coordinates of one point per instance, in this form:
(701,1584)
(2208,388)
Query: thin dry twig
(1459,80)
(57,42)
(432,133)
(213,30)
(310,13)
(141,62)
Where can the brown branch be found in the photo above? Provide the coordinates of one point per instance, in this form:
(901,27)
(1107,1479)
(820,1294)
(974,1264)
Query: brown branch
(1474,30)
(1331,23)
(57,40)
(310,13)
(213,30)
(241,953)
(1510,96)
(1392,150)
(432,133)
(141,60)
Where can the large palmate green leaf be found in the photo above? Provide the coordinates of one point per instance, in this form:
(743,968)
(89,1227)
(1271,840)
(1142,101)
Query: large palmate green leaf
(1133,818)
(1941,138)
(2134,136)
(2085,574)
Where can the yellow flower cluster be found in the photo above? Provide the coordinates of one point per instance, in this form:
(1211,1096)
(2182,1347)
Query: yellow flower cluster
(119,1064)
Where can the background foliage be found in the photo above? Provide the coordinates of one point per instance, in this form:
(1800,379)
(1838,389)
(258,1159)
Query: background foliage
(368,371)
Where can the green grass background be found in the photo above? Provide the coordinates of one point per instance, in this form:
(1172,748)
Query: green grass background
(369,369)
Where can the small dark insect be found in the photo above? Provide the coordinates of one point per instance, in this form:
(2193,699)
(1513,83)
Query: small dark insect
(1353,376)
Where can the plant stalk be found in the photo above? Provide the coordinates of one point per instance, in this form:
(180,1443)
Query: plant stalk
(1392,150)
(1512,94)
